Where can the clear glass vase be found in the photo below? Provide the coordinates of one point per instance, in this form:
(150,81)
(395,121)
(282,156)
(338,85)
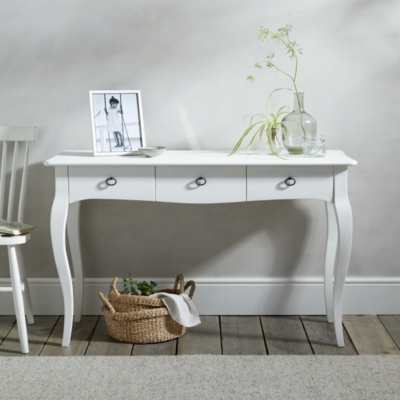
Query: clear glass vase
(276,146)
(314,146)
(297,125)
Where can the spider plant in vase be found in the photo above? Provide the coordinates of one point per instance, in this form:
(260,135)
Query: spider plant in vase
(264,124)
(296,125)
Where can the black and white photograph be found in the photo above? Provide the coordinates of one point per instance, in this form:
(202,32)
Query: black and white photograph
(117,122)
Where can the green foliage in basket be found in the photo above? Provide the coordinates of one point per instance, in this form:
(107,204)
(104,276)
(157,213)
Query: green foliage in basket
(144,288)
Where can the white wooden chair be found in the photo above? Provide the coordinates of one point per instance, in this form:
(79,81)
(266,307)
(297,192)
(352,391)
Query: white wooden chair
(19,284)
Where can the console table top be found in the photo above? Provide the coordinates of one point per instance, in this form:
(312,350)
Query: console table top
(197,157)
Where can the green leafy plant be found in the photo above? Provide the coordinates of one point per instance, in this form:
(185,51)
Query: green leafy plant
(292,48)
(143,288)
(267,123)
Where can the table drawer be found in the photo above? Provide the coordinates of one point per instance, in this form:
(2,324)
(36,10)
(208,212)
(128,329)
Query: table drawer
(221,185)
(268,183)
(136,183)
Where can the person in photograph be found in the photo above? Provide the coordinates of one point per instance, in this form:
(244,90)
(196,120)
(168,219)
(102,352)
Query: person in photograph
(114,121)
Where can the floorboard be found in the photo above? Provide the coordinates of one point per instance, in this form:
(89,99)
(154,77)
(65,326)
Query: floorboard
(321,335)
(242,336)
(81,334)
(202,339)
(157,349)
(6,324)
(369,336)
(285,335)
(392,325)
(234,335)
(104,345)
(38,334)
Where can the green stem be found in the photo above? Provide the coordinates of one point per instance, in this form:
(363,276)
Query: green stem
(280,70)
(269,97)
(294,54)
(297,62)
(293,78)
(298,103)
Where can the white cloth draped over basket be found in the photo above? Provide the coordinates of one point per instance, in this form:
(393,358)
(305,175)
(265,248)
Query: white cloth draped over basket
(180,307)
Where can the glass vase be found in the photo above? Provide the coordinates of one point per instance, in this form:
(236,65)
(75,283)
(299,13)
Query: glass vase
(275,147)
(297,125)
(314,146)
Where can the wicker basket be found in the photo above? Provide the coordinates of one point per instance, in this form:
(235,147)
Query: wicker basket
(142,319)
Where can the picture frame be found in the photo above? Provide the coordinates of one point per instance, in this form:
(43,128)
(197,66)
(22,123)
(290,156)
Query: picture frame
(117,122)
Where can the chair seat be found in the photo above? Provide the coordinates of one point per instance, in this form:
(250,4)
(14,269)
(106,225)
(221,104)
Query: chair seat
(13,240)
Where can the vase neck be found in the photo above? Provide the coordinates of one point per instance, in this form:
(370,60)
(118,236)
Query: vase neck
(298,102)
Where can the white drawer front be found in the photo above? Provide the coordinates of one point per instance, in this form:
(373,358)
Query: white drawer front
(268,183)
(223,184)
(136,183)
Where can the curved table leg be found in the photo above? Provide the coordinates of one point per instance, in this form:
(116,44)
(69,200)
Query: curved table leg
(331,246)
(59,212)
(345,229)
(74,244)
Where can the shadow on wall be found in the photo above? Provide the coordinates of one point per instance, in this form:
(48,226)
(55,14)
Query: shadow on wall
(163,239)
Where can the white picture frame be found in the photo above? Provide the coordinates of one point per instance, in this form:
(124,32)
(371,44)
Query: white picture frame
(117,122)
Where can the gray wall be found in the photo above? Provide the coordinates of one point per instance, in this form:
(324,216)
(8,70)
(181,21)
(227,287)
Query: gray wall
(190,59)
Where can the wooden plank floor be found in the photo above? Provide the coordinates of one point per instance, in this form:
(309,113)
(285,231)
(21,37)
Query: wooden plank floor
(228,335)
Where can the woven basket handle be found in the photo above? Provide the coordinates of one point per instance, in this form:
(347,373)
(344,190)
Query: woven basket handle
(192,288)
(141,314)
(113,286)
(106,303)
(179,280)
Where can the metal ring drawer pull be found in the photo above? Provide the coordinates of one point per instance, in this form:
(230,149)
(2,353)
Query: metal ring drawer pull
(111,181)
(290,181)
(201,181)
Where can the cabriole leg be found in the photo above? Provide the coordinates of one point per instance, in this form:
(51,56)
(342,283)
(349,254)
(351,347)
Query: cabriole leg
(58,222)
(345,233)
(75,246)
(330,257)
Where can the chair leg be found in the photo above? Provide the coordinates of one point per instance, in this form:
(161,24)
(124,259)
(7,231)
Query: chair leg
(26,293)
(18,298)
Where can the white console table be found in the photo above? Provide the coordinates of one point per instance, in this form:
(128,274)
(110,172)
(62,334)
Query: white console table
(200,177)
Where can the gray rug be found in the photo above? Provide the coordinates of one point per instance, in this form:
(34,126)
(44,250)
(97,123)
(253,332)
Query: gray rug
(201,377)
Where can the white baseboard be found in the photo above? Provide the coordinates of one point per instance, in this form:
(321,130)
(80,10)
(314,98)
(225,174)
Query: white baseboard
(234,296)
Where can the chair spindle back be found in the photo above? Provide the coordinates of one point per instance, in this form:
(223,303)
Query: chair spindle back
(20,138)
